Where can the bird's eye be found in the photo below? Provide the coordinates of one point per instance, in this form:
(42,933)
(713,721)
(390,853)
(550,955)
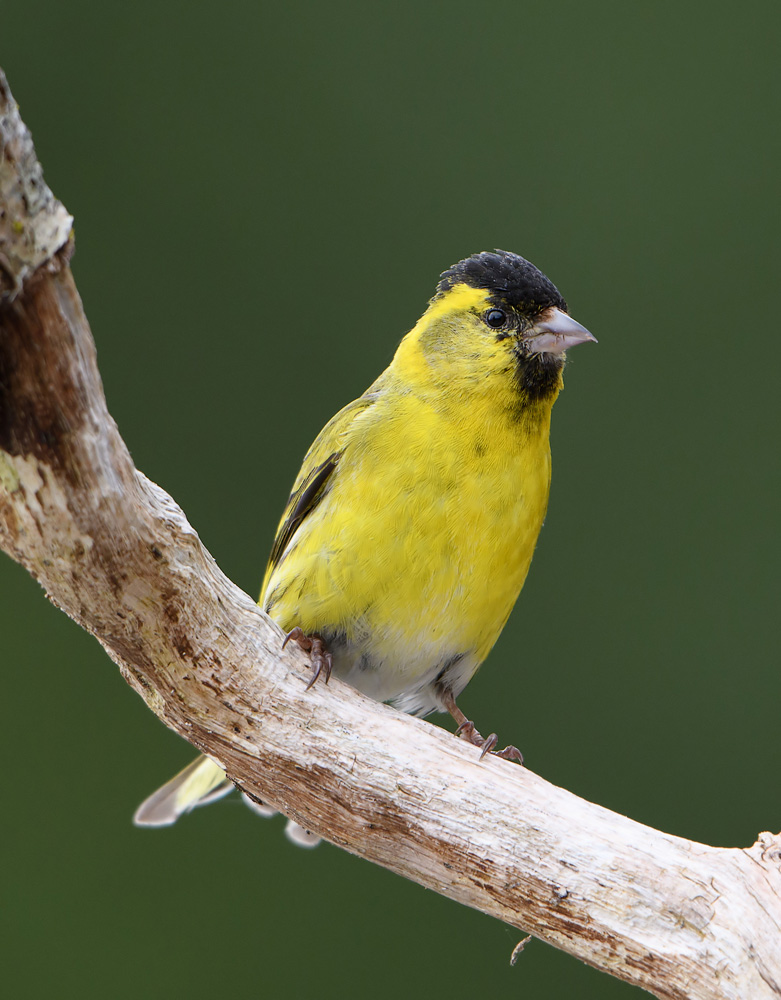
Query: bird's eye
(495,318)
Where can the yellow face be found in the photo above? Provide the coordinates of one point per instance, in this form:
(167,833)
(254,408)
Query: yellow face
(470,342)
(461,299)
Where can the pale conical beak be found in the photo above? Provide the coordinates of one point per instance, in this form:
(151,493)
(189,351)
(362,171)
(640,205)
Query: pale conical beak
(555,332)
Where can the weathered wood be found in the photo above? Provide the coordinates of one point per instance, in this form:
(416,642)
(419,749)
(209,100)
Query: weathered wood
(115,552)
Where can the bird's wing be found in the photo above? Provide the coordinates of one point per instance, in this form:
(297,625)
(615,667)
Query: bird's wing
(317,472)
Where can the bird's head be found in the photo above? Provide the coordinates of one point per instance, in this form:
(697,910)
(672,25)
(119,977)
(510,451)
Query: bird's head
(496,314)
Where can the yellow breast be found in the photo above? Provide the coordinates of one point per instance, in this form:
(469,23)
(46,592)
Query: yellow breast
(422,544)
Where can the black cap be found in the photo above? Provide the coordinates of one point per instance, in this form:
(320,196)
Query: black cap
(513,279)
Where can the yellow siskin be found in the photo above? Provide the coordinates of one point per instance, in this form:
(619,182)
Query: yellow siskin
(412,523)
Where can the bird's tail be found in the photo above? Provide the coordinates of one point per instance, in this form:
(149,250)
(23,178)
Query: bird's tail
(198,784)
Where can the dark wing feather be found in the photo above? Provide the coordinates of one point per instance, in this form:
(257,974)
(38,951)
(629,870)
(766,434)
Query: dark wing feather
(302,502)
(314,479)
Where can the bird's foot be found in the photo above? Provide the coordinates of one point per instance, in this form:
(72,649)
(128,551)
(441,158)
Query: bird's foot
(487,744)
(320,659)
(467,731)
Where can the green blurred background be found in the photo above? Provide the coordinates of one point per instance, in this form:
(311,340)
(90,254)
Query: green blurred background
(264,199)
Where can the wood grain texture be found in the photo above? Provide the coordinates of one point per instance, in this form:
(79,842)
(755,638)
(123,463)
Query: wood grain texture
(115,552)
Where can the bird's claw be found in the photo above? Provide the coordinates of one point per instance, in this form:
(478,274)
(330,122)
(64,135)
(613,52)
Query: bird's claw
(489,743)
(467,731)
(509,753)
(319,657)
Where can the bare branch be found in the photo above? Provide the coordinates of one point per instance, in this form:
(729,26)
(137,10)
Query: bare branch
(681,919)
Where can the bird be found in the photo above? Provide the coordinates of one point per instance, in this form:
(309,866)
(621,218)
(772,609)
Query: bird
(410,529)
